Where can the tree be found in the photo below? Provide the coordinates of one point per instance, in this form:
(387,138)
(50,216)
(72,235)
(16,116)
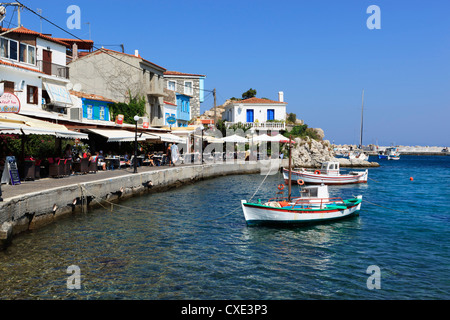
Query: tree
(136,106)
(249,94)
(292,117)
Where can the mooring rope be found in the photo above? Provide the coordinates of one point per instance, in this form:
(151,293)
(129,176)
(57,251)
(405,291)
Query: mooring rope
(383,206)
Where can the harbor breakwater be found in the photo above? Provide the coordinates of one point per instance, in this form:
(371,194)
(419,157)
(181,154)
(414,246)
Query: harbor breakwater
(34,210)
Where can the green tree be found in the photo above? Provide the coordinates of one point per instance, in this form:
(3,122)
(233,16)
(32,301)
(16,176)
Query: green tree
(136,106)
(249,94)
(292,117)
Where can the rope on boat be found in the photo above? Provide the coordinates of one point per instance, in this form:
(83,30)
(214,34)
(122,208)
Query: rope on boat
(383,206)
(257,189)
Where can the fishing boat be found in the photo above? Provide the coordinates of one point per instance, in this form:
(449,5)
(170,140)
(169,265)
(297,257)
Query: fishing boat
(392,153)
(313,206)
(329,174)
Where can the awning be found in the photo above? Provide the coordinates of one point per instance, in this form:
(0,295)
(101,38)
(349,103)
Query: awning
(118,135)
(18,124)
(59,95)
(168,137)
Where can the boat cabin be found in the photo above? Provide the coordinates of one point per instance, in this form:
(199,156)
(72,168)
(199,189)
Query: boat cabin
(330,168)
(319,192)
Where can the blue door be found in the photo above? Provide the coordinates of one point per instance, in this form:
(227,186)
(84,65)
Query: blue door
(250,115)
(270,114)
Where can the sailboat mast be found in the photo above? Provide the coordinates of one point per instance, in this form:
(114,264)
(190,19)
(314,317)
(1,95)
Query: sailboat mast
(362,110)
(290,157)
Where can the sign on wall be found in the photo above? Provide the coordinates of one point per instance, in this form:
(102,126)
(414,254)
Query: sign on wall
(9,103)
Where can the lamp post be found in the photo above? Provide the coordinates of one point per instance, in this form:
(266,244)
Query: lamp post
(136,118)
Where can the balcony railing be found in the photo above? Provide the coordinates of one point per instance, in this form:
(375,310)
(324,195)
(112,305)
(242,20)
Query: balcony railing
(261,125)
(53,69)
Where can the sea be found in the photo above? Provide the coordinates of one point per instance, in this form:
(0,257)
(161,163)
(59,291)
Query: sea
(192,243)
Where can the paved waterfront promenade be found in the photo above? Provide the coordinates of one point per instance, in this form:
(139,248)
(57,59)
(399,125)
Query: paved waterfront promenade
(37,185)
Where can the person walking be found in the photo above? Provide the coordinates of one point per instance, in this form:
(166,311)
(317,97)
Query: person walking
(174,151)
(169,154)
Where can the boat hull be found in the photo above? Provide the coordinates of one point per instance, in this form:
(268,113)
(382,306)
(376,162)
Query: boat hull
(314,178)
(257,214)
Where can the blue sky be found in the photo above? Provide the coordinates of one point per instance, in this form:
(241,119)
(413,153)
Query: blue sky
(319,53)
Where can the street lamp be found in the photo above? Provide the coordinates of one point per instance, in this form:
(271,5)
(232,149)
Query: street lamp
(136,118)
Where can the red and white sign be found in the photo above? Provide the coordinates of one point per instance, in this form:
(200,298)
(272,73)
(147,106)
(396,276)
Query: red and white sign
(119,119)
(145,125)
(9,103)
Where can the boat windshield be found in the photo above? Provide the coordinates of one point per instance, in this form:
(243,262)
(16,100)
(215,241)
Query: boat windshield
(309,193)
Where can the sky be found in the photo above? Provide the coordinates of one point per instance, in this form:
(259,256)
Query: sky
(321,54)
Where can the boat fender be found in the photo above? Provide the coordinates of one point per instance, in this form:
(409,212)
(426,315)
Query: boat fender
(300,182)
(317,172)
(280,186)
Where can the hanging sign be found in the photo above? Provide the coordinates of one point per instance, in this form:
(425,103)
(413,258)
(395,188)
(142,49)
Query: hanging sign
(145,125)
(9,103)
(119,119)
(171,120)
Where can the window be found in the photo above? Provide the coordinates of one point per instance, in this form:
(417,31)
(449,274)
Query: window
(171,85)
(102,113)
(250,115)
(8,48)
(270,114)
(188,87)
(27,53)
(89,111)
(8,86)
(32,95)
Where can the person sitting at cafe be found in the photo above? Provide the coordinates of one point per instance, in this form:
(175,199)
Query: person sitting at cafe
(101,160)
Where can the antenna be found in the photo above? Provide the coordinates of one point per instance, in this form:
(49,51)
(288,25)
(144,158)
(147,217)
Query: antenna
(2,13)
(40,14)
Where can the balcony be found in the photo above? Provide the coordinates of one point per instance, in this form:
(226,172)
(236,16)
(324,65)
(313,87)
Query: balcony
(53,69)
(260,125)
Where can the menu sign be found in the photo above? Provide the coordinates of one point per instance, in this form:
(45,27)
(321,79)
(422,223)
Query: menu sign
(9,103)
(10,171)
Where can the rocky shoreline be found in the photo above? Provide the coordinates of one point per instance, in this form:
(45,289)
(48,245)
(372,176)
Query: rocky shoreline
(309,153)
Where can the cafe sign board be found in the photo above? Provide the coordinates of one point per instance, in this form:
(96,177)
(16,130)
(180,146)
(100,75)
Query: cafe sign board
(9,103)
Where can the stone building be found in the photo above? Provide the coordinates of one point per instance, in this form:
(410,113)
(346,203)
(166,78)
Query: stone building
(187,84)
(116,75)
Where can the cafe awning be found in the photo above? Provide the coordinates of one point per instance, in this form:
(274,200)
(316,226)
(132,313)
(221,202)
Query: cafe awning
(168,137)
(18,124)
(118,135)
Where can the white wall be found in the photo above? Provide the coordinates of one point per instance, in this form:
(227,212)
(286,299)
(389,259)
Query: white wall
(58,51)
(31,78)
(239,112)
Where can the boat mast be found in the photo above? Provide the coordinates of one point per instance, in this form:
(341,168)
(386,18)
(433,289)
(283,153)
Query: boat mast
(289,182)
(362,109)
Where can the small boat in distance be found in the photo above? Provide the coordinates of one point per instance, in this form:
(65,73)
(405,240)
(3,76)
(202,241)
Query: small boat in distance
(390,153)
(313,206)
(328,174)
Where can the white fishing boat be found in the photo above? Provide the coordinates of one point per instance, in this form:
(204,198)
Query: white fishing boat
(358,155)
(313,206)
(328,174)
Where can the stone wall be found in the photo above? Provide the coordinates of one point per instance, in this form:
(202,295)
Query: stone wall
(35,210)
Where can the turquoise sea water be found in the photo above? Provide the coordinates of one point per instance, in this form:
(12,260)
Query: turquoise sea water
(192,243)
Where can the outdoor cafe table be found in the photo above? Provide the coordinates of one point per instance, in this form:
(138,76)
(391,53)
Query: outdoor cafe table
(114,161)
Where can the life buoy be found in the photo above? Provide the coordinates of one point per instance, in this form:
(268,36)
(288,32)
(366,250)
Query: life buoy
(317,172)
(280,186)
(300,182)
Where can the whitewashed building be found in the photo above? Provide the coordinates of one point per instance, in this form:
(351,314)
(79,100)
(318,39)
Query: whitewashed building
(261,114)
(33,67)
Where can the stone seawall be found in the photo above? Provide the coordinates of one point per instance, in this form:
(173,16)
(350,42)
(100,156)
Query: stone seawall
(35,210)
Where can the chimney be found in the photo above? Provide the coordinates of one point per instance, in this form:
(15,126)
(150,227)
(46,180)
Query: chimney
(280,96)
(74,51)
(136,53)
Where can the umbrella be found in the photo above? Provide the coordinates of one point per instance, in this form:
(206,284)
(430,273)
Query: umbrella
(234,138)
(281,138)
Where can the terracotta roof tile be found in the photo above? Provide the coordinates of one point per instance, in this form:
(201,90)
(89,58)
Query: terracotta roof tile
(18,66)
(176,73)
(24,30)
(89,96)
(257,101)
